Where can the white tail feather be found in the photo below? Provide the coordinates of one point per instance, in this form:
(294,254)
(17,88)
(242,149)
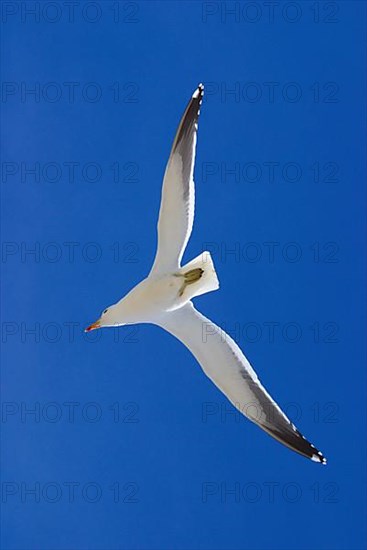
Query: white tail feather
(208,280)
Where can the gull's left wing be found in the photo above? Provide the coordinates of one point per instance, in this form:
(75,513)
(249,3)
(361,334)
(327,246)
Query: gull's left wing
(225,364)
(176,213)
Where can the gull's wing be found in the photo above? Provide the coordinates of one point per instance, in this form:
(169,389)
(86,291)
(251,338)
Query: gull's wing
(176,213)
(225,364)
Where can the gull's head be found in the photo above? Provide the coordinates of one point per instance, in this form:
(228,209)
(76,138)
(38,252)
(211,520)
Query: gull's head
(108,318)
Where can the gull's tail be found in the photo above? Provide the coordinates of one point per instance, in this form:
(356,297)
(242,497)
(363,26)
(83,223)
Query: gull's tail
(198,277)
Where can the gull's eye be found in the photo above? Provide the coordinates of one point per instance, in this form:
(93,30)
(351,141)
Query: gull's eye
(105,311)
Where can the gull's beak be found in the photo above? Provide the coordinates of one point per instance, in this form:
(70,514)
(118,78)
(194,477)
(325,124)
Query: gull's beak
(93,326)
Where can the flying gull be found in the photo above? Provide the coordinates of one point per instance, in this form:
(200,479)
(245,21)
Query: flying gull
(164,297)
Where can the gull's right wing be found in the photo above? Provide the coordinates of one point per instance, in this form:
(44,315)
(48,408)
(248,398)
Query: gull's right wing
(225,364)
(176,213)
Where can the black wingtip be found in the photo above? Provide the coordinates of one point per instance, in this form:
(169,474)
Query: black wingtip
(316,455)
(292,438)
(319,457)
(189,120)
(199,92)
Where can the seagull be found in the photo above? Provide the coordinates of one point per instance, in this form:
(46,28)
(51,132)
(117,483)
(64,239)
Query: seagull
(164,298)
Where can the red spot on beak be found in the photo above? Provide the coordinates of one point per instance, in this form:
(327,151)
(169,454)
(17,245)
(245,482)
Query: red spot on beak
(93,326)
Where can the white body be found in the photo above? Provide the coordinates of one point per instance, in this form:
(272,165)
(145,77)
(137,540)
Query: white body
(159,294)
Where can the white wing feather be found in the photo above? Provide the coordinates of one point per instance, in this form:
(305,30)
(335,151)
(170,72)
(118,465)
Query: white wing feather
(225,364)
(176,213)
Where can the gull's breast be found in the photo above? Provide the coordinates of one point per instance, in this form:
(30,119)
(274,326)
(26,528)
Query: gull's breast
(153,297)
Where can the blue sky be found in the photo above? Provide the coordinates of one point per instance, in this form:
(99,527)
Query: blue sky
(129,445)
